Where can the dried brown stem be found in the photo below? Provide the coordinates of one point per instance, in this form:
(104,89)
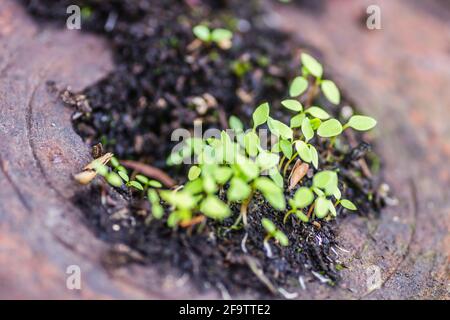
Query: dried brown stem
(150,171)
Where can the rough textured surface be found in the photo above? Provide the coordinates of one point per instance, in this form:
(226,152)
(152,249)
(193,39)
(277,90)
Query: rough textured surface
(398,74)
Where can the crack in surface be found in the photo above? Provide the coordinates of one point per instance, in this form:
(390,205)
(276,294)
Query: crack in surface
(414,197)
(29,122)
(23,200)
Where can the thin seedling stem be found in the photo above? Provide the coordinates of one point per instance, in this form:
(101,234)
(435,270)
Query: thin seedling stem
(288,163)
(286,216)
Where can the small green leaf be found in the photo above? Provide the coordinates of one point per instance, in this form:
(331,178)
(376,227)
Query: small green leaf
(307,130)
(305,72)
(297,120)
(327,181)
(269,226)
(276,148)
(219,35)
(281,237)
(313,66)
(194,173)
(347,204)
(332,208)
(229,148)
(194,187)
(179,199)
(240,67)
(303,217)
(155,184)
(273,194)
(323,178)
(214,208)
(239,190)
(236,124)
(303,197)
(314,156)
(361,123)
(121,168)
(114,162)
(142,179)
(267,160)
(303,151)
(247,167)
(124,176)
(286,148)
(152,196)
(114,179)
(136,185)
(225,138)
(298,86)
(276,176)
(157,211)
(175,158)
(319,192)
(331,91)
(194,145)
(315,123)
(222,174)
(279,129)
(173,219)
(202,32)
(100,168)
(337,194)
(209,185)
(211,155)
(322,207)
(261,114)
(292,104)
(318,113)
(330,128)
(251,141)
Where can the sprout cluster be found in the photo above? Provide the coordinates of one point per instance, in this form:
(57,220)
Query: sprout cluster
(220,36)
(233,168)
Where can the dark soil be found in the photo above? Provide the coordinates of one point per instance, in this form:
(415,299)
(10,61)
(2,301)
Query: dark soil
(163,81)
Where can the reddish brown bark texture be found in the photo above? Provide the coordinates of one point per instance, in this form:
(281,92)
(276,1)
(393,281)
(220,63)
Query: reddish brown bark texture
(400,75)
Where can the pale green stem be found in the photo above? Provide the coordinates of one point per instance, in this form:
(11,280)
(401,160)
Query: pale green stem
(288,163)
(288,214)
(243,211)
(281,162)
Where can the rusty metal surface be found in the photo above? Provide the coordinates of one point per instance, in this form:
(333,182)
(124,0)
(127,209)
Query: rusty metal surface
(400,75)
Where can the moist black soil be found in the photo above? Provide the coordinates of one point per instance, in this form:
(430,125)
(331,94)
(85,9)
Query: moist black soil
(165,79)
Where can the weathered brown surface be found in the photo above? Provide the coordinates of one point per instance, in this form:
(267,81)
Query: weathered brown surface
(400,75)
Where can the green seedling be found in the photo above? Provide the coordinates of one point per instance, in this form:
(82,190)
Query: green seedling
(111,177)
(312,67)
(233,168)
(310,121)
(273,232)
(238,163)
(141,182)
(320,194)
(222,37)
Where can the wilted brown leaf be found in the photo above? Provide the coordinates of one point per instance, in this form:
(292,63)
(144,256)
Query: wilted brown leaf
(297,173)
